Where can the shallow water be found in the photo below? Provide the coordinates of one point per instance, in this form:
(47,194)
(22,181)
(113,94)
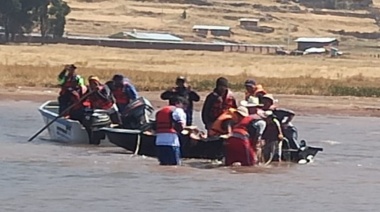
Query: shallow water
(46,176)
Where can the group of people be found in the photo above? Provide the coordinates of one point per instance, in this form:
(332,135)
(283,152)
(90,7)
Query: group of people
(246,127)
(75,96)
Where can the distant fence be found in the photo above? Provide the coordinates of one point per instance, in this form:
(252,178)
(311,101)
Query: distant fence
(142,44)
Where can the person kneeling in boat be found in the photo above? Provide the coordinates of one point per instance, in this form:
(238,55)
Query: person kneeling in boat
(246,135)
(103,99)
(224,123)
(254,90)
(123,91)
(170,120)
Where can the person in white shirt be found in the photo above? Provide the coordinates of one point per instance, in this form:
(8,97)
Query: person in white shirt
(170,120)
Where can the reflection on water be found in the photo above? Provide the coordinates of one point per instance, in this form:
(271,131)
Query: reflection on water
(46,176)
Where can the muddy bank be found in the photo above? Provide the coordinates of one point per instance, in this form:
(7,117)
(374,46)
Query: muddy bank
(303,105)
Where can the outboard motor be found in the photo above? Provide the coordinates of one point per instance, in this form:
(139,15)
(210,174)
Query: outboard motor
(94,120)
(136,114)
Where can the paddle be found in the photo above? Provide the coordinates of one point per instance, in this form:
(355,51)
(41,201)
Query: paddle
(63,112)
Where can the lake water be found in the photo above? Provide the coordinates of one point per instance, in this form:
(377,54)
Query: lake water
(45,176)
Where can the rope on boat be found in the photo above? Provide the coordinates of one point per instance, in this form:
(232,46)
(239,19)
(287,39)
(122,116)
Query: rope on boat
(137,144)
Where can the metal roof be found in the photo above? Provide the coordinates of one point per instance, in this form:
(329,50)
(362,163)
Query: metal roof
(211,27)
(152,36)
(315,40)
(250,19)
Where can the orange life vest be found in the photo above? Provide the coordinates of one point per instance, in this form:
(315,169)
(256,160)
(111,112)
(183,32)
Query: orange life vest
(98,102)
(220,107)
(120,96)
(259,90)
(164,120)
(240,130)
(217,128)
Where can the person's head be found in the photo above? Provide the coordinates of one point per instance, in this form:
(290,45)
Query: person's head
(118,79)
(93,81)
(71,69)
(267,101)
(221,85)
(181,81)
(250,85)
(180,102)
(252,104)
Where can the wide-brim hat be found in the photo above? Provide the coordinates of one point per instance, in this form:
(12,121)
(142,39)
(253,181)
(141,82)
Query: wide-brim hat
(243,111)
(251,102)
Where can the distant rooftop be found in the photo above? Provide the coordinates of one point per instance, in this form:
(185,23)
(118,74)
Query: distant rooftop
(147,36)
(249,19)
(315,40)
(211,27)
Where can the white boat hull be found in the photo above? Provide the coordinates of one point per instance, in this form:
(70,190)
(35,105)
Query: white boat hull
(65,130)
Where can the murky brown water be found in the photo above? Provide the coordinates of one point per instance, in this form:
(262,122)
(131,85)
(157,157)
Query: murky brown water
(46,176)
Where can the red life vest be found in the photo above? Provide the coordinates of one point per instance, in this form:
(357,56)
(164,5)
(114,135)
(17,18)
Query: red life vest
(219,107)
(120,96)
(97,102)
(164,120)
(240,130)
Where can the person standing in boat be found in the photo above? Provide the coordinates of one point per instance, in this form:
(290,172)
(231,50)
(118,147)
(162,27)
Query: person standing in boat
(246,137)
(170,121)
(253,89)
(69,81)
(217,102)
(123,91)
(184,90)
(103,99)
(77,111)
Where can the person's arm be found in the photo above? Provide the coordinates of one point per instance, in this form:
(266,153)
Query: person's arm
(61,77)
(206,111)
(278,125)
(131,92)
(194,96)
(80,80)
(179,118)
(167,95)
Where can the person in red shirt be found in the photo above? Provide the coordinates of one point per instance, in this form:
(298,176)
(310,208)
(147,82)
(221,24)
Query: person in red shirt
(217,102)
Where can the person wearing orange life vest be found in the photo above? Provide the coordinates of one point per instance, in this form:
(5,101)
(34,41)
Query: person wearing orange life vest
(69,81)
(123,91)
(170,120)
(103,99)
(217,102)
(223,124)
(253,89)
(246,135)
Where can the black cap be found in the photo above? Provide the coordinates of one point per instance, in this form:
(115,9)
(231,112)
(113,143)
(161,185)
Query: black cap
(72,66)
(221,81)
(181,78)
(250,82)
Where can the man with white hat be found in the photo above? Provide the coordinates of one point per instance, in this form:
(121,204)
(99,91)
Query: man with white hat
(246,135)
(268,102)
(253,104)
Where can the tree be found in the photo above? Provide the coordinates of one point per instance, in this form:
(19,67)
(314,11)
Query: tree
(9,9)
(58,11)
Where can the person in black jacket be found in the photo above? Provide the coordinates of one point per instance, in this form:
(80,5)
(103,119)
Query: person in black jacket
(184,90)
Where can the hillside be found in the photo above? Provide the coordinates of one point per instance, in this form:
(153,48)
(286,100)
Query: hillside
(289,19)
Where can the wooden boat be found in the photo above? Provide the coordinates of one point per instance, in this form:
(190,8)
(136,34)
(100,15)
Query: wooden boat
(211,148)
(73,132)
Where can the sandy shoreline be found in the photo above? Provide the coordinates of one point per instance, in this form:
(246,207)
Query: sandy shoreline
(302,105)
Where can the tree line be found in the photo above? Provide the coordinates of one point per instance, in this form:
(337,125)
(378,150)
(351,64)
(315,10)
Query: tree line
(24,16)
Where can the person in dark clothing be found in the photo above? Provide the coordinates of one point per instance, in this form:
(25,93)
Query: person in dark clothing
(182,90)
(217,102)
